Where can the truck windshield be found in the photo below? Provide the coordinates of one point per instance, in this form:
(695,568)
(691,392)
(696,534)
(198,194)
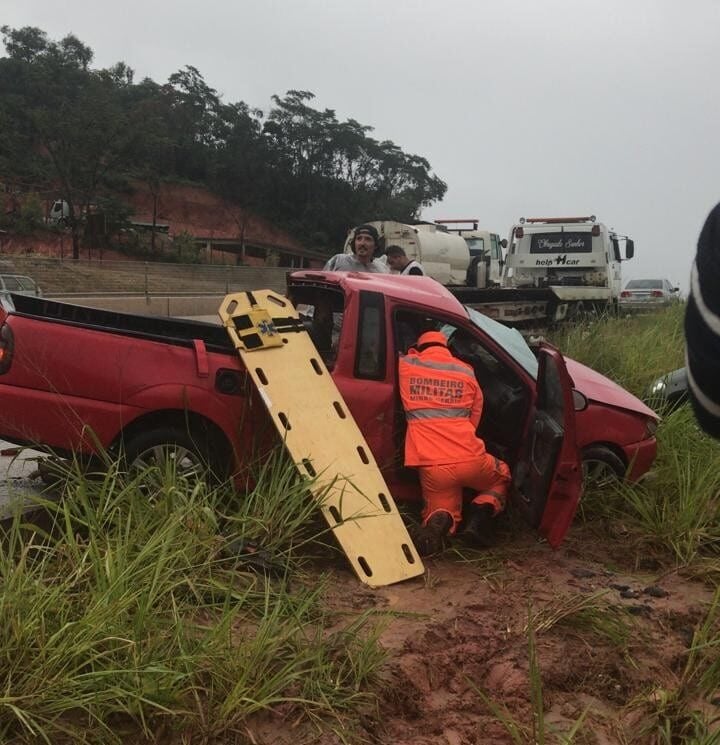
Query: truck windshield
(476,246)
(510,340)
(550,243)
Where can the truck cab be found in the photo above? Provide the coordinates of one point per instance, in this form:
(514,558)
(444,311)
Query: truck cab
(578,257)
(486,251)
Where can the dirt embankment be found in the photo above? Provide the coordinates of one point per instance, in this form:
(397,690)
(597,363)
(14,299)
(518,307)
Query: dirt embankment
(463,629)
(180,208)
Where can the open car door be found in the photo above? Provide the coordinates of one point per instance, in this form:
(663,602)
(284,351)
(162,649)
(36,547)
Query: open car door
(547,479)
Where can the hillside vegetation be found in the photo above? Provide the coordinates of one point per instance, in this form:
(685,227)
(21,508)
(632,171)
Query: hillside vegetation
(83,132)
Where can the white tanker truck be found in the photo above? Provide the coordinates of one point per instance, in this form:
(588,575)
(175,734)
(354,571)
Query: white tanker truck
(554,268)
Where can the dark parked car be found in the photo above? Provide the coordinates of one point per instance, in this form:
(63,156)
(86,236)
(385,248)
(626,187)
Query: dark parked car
(670,390)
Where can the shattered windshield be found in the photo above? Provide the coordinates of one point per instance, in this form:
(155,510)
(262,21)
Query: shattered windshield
(511,340)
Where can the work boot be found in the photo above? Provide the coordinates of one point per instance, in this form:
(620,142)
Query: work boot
(479,528)
(429,538)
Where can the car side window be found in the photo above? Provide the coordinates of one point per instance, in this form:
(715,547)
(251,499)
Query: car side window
(11,284)
(321,311)
(550,393)
(26,283)
(370,356)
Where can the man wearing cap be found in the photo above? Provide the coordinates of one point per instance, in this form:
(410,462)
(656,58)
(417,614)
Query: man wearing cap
(399,262)
(443,403)
(365,245)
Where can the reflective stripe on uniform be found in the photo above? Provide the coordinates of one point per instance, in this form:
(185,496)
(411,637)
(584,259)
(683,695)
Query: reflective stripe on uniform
(437,413)
(413,360)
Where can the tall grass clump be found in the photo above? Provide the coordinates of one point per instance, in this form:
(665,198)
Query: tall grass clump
(677,508)
(130,610)
(632,350)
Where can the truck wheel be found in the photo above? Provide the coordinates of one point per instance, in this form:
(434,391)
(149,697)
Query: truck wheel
(577,313)
(601,466)
(185,454)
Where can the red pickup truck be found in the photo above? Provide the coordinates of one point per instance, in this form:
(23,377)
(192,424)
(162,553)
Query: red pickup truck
(73,379)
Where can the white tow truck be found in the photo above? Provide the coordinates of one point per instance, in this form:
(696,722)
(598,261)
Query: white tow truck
(554,268)
(577,258)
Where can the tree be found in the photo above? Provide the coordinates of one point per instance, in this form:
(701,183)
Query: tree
(82,133)
(75,117)
(330,175)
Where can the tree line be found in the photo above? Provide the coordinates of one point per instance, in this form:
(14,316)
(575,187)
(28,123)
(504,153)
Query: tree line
(86,132)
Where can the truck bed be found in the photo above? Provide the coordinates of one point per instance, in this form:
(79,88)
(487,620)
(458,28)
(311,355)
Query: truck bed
(178,331)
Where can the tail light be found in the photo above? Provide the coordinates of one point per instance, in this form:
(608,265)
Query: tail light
(656,293)
(7,345)
(519,232)
(595,230)
(624,293)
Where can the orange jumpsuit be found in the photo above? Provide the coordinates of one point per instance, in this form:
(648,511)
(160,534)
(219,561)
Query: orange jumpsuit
(443,403)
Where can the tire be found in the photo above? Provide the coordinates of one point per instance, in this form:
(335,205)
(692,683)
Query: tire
(577,312)
(601,466)
(188,455)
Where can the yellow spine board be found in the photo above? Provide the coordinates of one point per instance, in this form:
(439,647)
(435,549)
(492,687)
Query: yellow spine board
(321,435)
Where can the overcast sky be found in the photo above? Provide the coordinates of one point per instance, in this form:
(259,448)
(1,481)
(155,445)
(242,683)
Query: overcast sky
(524,107)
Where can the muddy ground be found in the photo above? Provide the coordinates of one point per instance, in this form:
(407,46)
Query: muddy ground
(462,628)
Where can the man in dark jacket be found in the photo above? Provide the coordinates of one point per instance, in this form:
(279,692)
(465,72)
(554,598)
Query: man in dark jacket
(702,327)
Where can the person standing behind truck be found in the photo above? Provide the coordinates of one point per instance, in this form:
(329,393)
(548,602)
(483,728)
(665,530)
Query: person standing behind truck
(702,327)
(365,245)
(397,260)
(443,404)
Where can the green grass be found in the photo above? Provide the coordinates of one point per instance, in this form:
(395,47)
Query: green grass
(633,350)
(676,509)
(126,612)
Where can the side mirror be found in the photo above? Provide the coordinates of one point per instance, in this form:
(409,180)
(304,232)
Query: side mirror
(676,289)
(629,248)
(503,242)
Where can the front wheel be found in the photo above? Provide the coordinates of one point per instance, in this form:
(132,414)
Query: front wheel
(601,466)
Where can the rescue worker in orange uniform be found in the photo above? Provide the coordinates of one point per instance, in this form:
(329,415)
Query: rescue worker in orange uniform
(443,404)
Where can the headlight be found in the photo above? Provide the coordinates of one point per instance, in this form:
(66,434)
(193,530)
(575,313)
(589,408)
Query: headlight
(651,427)
(658,387)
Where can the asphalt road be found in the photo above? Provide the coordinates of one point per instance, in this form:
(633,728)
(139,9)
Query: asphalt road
(16,486)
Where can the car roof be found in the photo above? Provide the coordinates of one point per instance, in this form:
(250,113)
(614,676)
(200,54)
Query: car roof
(398,287)
(645,282)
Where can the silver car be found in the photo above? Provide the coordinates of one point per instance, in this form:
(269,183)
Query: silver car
(648,294)
(19,284)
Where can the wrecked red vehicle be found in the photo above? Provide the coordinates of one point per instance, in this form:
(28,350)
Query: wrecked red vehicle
(75,379)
